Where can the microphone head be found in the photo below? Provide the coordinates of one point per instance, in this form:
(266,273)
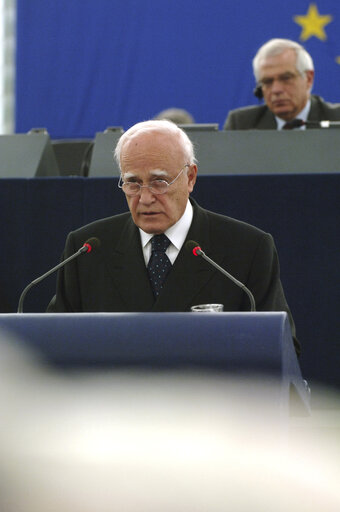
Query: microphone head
(193,247)
(92,243)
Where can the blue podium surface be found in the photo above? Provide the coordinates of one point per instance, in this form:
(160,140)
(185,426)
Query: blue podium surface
(241,344)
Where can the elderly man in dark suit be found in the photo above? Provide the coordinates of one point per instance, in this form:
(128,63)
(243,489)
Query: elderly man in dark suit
(284,74)
(142,263)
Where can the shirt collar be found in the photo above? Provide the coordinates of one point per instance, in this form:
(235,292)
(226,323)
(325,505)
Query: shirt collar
(176,233)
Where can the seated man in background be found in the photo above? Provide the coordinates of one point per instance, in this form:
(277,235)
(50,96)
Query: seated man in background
(284,73)
(142,263)
(176,115)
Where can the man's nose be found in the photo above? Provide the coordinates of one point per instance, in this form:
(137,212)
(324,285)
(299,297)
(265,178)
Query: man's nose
(146,196)
(277,86)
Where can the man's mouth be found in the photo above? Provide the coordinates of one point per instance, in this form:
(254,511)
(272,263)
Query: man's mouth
(280,103)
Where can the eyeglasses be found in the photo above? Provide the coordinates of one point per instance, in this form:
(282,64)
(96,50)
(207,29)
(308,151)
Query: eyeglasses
(284,79)
(133,188)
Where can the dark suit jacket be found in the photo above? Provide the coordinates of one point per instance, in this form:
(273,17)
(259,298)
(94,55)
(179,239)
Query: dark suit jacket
(113,278)
(261,118)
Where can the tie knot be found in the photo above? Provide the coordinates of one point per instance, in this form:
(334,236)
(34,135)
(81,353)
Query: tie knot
(295,123)
(160,243)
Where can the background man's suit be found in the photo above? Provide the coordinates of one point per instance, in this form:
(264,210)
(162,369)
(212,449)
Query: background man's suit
(113,278)
(261,118)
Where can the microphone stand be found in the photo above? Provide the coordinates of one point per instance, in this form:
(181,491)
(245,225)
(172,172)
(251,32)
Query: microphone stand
(80,251)
(199,252)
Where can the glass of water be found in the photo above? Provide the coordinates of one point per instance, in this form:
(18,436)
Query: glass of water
(207,308)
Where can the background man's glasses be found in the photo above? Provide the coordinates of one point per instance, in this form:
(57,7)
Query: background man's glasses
(285,79)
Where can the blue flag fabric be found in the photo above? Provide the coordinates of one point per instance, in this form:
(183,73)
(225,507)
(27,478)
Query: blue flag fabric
(84,65)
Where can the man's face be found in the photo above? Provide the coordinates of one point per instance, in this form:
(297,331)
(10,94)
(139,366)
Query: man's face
(285,91)
(150,156)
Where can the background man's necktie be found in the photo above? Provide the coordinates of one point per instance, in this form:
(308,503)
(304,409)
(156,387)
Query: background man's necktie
(159,264)
(295,123)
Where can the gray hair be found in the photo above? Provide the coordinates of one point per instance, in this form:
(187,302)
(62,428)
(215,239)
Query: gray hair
(161,126)
(304,61)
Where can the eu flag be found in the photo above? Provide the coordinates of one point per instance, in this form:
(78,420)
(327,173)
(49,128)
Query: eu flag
(85,65)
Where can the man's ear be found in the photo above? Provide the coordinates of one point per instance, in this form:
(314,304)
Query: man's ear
(310,78)
(192,175)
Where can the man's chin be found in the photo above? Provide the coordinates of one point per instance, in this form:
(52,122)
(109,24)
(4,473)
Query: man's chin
(283,113)
(152,227)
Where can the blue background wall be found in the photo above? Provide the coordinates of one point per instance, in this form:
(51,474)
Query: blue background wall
(83,65)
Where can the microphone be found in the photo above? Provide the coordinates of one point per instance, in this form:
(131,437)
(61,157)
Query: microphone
(87,247)
(329,124)
(296,123)
(193,247)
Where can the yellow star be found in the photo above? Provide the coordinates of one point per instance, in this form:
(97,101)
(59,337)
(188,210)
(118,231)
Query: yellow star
(337,60)
(313,23)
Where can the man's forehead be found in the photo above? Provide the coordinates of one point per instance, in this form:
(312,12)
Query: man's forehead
(151,156)
(150,139)
(285,61)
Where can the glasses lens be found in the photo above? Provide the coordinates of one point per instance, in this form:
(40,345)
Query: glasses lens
(131,189)
(159,187)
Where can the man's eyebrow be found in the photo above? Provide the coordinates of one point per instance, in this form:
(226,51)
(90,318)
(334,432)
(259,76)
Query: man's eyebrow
(159,172)
(272,77)
(128,175)
(154,172)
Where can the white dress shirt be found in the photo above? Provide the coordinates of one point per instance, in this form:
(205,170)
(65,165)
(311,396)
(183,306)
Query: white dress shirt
(176,234)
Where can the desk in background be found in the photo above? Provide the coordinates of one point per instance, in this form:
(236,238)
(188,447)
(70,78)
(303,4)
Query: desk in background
(243,151)
(217,152)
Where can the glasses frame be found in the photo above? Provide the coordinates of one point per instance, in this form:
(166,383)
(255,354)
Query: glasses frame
(121,184)
(287,78)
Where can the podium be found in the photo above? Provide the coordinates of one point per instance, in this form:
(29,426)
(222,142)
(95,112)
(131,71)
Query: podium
(239,344)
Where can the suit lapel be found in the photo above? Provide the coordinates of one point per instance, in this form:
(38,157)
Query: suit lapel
(189,273)
(127,268)
(315,113)
(267,121)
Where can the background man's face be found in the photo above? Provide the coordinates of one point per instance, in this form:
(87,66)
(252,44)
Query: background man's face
(285,91)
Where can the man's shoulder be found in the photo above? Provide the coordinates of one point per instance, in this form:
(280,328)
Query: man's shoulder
(245,118)
(102,227)
(221,234)
(222,224)
(325,108)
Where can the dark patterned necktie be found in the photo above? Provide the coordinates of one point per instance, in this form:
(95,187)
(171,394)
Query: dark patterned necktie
(159,264)
(291,125)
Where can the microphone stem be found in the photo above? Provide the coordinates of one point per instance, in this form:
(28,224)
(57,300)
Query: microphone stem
(232,278)
(82,250)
